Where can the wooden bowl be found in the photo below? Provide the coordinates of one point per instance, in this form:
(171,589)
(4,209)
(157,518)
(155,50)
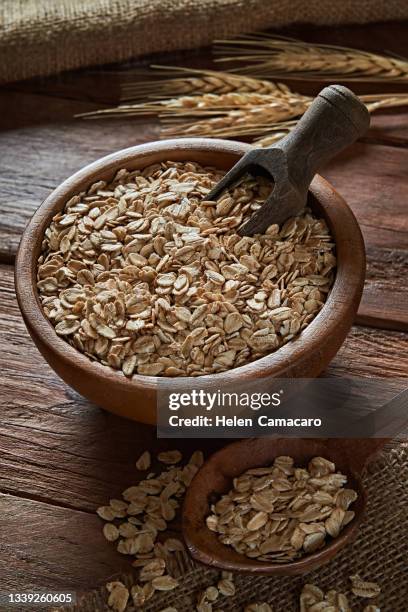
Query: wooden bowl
(215,478)
(135,398)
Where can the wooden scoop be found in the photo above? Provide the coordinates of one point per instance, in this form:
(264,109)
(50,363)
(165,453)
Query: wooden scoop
(335,119)
(215,477)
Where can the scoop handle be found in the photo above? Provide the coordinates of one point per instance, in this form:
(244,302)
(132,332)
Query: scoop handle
(334,120)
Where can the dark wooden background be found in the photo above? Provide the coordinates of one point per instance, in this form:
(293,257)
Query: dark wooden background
(61,457)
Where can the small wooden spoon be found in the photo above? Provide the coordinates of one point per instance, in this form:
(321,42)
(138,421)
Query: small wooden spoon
(215,478)
(335,119)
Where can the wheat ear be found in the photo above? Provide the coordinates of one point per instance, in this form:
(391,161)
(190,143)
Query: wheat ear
(268,56)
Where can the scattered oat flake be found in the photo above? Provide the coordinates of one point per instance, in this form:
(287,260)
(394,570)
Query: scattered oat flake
(211,593)
(226,587)
(144,462)
(204,606)
(153,569)
(313,599)
(164,583)
(197,458)
(118,596)
(107,513)
(111,532)
(362,588)
(170,457)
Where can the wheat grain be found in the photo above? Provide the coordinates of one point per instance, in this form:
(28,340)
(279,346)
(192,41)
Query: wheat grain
(270,56)
(228,115)
(144,462)
(267,120)
(187,81)
(228,105)
(378,101)
(252,115)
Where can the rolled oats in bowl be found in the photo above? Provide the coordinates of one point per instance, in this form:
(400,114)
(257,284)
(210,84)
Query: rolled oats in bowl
(146,276)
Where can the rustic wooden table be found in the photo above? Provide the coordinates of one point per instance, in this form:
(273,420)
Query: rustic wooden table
(61,457)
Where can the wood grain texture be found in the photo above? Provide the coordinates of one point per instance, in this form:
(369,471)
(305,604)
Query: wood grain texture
(53,548)
(57,447)
(79,455)
(373,181)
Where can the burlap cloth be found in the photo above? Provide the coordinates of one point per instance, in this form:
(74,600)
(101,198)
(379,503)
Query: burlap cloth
(41,37)
(380,554)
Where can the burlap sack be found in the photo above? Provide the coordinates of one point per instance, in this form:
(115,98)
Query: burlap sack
(41,37)
(379,554)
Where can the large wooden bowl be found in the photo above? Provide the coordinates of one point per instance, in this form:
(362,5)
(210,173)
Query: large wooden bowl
(135,398)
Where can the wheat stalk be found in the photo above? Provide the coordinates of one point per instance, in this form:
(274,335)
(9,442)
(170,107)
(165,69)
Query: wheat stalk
(269,56)
(274,118)
(244,119)
(233,115)
(228,115)
(377,101)
(251,108)
(188,81)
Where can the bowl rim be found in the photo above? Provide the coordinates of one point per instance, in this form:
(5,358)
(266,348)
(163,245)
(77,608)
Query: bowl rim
(346,289)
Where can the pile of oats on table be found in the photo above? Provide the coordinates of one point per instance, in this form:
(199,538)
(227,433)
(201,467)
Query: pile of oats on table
(146,276)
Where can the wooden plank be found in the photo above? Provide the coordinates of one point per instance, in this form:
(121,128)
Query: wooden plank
(79,454)
(385,297)
(46,547)
(58,448)
(372,179)
(369,352)
(389,128)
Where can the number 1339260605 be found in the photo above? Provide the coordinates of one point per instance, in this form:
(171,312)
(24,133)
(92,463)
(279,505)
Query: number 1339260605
(40,599)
